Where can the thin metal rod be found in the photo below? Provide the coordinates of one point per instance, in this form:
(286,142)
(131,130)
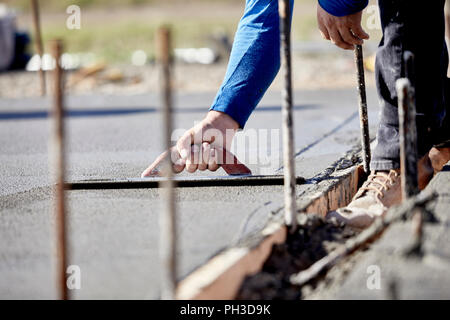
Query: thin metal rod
(38,43)
(168,239)
(418,233)
(287,115)
(408,138)
(392,289)
(58,158)
(181,182)
(363,114)
(408,63)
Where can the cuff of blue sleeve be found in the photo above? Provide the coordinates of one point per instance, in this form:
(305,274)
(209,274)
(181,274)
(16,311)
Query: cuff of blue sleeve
(340,8)
(237,116)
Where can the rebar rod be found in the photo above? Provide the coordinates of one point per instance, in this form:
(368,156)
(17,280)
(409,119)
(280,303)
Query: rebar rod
(408,138)
(38,43)
(363,114)
(58,165)
(168,239)
(287,115)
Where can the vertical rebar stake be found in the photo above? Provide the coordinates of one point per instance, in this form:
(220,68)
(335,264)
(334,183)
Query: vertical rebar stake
(363,114)
(408,138)
(409,69)
(168,243)
(58,158)
(408,64)
(287,116)
(38,41)
(417,230)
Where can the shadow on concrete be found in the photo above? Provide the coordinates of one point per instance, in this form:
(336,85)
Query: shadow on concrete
(329,133)
(103,112)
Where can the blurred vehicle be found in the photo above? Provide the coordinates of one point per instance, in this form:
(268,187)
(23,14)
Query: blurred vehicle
(13,44)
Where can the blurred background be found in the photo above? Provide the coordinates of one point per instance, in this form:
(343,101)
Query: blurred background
(112,49)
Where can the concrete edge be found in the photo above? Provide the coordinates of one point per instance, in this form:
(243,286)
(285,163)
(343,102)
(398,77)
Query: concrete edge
(221,277)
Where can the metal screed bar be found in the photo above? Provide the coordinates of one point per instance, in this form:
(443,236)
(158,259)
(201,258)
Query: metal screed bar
(181,182)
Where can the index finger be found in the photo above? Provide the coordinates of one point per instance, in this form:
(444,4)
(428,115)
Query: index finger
(156,168)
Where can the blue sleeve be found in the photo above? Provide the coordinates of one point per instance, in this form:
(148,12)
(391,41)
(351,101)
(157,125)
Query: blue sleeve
(254,61)
(340,8)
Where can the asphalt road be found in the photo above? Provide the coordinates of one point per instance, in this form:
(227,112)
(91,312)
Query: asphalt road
(114,234)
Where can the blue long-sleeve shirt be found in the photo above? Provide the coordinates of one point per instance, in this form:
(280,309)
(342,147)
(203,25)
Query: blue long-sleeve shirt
(340,8)
(255,57)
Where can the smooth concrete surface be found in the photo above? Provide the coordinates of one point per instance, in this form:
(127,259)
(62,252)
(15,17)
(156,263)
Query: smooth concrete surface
(114,233)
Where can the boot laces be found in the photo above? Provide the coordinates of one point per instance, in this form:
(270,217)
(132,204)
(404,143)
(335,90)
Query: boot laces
(378,182)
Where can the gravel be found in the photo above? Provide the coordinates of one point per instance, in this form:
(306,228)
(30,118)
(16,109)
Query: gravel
(310,72)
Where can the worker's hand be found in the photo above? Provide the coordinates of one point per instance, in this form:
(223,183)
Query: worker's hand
(345,32)
(203,147)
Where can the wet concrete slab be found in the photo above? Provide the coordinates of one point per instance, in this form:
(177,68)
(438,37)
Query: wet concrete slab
(120,142)
(114,233)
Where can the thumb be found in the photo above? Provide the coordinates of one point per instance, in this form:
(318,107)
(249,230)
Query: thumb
(359,31)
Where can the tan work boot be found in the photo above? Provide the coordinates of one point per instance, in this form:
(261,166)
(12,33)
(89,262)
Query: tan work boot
(439,158)
(381,190)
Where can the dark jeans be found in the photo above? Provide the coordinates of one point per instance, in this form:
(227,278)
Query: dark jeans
(417,26)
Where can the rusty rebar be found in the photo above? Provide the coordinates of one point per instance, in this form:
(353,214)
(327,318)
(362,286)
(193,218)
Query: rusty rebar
(363,114)
(168,240)
(417,219)
(38,43)
(409,69)
(287,114)
(417,223)
(392,290)
(408,138)
(58,165)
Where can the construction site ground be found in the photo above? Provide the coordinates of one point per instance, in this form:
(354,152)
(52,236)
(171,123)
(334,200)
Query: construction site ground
(114,234)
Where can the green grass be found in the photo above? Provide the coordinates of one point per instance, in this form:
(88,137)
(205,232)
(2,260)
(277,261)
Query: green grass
(115,43)
(62,4)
